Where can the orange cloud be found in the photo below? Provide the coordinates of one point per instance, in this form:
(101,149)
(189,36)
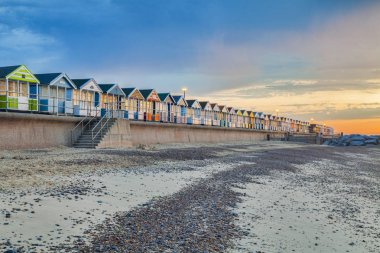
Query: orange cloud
(356,126)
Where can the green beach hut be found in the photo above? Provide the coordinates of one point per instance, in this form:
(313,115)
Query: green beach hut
(18,89)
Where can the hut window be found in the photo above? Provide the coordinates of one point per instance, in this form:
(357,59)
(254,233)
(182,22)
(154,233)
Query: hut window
(23,89)
(90,97)
(3,87)
(104,98)
(53,92)
(12,88)
(83,96)
(75,97)
(44,92)
(61,93)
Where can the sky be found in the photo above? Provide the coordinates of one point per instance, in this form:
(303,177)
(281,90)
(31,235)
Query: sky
(314,59)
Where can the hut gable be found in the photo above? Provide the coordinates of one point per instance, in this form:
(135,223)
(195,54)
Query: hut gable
(150,95)
(205,106)
(87,84)
(244,113)
(193,104)
(18,72)
(179,100)
(215,107)
(132,93)
(231,110)
(223,108)
(113,89)
(261,115)
(166,97)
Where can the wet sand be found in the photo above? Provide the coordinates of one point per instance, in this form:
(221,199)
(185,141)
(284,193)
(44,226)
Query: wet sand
(262,197)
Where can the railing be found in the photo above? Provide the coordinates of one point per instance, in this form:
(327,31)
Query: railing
(102,126)
(83,125)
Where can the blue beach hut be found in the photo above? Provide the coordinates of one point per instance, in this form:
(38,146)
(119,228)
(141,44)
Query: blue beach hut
(180,111)
(55,93)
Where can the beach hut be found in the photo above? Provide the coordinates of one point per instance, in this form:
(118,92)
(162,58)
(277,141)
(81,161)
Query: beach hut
(287,124)
(215,112)
(167,107)
(86,98)
(257,120)
(239,116)
(246,118)
(133,104)
(269,120)
(193,112)
(251,119)
(18,89)
(55,93)
(180,110)
(262,120)
(112,100)
(232,118)
(152,105)
(206,113)
(274,123)
(280,123)
(292,125)
(223,115)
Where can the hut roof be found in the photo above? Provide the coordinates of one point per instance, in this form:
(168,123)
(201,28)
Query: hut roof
(204,104)
(51,78)
(80,82)
(178,98)
(5,71)
(18,72)
(146,93)
(163,96)
(128,91)
(47,78)
(191,102)
(112,88)
(106,87)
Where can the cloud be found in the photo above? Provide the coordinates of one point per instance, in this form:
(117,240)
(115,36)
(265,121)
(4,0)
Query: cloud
(22,39)
(345,47)
(347,114)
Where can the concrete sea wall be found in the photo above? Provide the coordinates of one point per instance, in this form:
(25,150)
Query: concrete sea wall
(119,135)
(28,131)
(25,131)
(147,133)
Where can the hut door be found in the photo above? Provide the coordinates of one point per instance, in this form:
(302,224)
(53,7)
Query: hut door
(97,100)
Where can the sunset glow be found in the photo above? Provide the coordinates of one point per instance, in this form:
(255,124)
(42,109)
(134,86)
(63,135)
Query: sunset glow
(254,55)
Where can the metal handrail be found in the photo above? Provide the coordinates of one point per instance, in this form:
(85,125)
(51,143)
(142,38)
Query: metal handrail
(83,126)
(101,128)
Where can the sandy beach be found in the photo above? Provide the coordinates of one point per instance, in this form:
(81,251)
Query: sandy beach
(261,197)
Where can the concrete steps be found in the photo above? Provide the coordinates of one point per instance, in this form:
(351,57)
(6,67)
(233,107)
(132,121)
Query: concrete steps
(86,139)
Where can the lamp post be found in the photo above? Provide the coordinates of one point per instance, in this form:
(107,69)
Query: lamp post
(184,92)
